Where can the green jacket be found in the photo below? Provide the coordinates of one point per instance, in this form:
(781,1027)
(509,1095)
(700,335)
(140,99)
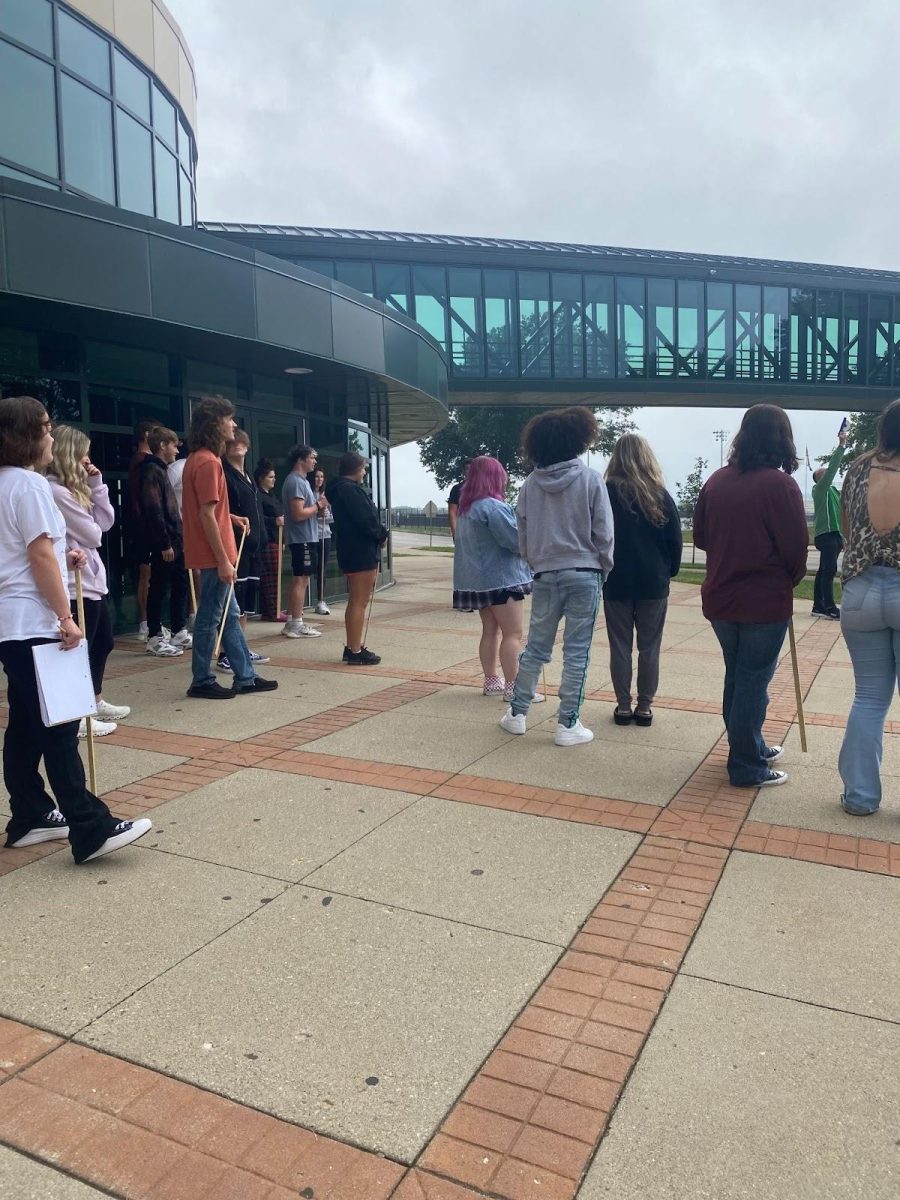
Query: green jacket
(826,497)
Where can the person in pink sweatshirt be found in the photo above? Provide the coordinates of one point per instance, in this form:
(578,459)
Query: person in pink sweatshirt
(83,499)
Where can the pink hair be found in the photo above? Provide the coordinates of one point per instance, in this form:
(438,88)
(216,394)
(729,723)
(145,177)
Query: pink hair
(485,476)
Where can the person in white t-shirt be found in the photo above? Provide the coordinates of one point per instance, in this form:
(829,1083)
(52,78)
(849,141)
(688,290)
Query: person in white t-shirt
(34,610)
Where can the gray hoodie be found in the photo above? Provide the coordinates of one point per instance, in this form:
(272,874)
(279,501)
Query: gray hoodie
(565,519)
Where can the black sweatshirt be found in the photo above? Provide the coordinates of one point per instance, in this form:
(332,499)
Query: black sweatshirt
(646,556)
(358,531)
(158,523)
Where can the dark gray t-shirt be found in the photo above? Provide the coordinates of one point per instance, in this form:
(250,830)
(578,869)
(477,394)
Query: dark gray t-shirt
(296,487)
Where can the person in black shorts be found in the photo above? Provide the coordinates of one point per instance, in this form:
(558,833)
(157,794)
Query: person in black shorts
(301,534)
(359,536)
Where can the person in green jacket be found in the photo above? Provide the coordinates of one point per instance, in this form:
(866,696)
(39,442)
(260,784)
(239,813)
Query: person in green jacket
(829,542)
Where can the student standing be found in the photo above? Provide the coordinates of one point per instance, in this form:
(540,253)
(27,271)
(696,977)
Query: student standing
(751,522)
(301,532)
(162,534)
(489,575)
(566,537)
(35,610)
(453,507)
(209,545)
(138,552)
(359,536)
(273,519)
(324,521)
(83,499)
(829,543)
(243,502)
(870,612)
(648,554)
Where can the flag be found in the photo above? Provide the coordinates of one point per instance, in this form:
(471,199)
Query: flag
(845,425)
(808,463)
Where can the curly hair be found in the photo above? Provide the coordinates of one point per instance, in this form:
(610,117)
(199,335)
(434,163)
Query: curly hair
(69,448)
(205,433)
(765,439)
(559,435)
(22,428)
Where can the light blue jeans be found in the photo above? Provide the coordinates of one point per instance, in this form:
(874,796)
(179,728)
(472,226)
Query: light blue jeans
(870,622)
(210,604)
(575,596)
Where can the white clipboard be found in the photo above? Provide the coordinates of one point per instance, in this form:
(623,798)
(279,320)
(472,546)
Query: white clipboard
(64,683)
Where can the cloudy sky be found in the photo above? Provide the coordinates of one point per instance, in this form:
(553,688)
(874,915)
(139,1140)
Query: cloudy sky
(767,129)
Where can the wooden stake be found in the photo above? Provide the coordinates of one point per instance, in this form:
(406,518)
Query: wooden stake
(228,597)
(278,583)
(797,693)
(92,762)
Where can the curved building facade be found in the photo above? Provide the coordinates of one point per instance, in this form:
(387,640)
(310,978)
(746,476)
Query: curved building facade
(114,308)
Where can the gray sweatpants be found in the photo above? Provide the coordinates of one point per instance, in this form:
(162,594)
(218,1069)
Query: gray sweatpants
(623,619)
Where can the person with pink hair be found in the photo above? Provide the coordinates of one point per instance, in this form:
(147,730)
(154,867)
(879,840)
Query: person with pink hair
(489,576)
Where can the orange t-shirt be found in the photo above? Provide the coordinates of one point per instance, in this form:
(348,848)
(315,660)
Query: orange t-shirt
(204,483)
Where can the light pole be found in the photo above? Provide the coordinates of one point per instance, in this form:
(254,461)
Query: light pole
(720,435)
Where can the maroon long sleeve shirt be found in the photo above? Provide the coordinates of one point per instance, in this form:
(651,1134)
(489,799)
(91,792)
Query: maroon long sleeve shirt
(752,525)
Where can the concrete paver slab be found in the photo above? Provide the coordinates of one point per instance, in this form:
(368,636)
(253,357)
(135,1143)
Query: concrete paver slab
(22,1178)
(647,774)
(392,737)
(271,822)
(672,728)
(503,871)
(738,1096)
(107,928)
(768,914)
(811,797)
(117,766)
(353,1019)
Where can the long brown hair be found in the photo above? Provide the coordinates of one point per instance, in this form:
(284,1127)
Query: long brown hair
(22,431)
(205,433)
(636,472)
(765,439)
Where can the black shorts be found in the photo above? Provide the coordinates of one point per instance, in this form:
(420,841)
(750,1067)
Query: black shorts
(304,558)
(355,565)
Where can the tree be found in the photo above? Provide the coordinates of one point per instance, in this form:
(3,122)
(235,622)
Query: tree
(862,434)
(497,430)
(688,493)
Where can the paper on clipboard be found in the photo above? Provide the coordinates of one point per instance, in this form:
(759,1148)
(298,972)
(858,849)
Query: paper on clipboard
(65,687)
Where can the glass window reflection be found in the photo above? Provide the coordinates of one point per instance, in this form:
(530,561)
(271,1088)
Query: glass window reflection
(392,285)
(83,51)
(853,324)
(719,331)
(568,325)
(166,185)
(464,286)
(598,329)
(630,330)
(135,165)
(878,342)
(499,322)
(87,140)
(187,213)
(534,323)
(776,334)
(163,116)
(430,292)
(746,331)
(356,275)
(132,86)
(802,351)
(27,131)
(661,303)
(828,323)
(691,332)
(28,21)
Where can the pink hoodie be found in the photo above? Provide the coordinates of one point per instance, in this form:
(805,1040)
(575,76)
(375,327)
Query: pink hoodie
(84,530)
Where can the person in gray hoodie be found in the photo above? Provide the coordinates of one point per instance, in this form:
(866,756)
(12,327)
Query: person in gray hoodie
(566,537)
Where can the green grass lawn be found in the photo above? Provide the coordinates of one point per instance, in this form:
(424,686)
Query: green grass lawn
(803,590)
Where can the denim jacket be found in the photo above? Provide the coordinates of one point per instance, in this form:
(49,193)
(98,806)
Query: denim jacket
(486,555)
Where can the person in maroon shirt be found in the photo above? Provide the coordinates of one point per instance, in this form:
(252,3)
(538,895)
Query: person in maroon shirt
(751,522)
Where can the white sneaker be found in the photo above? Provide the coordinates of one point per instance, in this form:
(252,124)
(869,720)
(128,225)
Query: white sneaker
(513,723)
(100,728)
(124,834)
(322,609)
(162,648)
(572,735)
(143,631)
(181,639)
(297,628)
(112,712)
(509,688)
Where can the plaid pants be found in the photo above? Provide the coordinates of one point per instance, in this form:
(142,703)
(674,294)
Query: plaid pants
(268,582)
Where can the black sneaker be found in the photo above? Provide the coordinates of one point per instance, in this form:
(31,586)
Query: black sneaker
(258,685)
(209,691)
(364,658)
(53,827)
(347,653)
(834,613)
(830,614)
(123,834)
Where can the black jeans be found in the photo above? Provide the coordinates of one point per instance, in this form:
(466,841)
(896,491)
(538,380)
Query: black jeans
(26,742)
(829,546)
(167,577)
(99,636)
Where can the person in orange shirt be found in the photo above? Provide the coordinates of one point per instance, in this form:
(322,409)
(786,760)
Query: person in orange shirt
(209,545)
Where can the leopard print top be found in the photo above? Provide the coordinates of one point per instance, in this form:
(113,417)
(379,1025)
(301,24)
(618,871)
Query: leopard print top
(865,548)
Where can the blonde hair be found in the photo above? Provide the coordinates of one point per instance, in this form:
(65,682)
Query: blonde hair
(69,448)
(638,476)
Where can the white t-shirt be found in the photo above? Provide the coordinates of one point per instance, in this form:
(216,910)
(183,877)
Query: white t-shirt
(27,510)
(176,478)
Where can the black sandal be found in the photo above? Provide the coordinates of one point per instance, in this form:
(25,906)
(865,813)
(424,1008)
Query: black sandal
(643,718)
(622,718)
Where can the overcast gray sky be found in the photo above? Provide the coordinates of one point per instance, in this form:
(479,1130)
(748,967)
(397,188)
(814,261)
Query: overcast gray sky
(767,129)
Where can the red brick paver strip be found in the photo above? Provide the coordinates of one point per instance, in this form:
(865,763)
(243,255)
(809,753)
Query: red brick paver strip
(529,1122)
(137,1133)
(810,845)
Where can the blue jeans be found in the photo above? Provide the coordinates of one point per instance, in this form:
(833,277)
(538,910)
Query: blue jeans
(210,604)
(750,650)
(870,622)
(575,596)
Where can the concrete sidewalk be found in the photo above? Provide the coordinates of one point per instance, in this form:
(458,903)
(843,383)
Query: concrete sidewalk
(374,947)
